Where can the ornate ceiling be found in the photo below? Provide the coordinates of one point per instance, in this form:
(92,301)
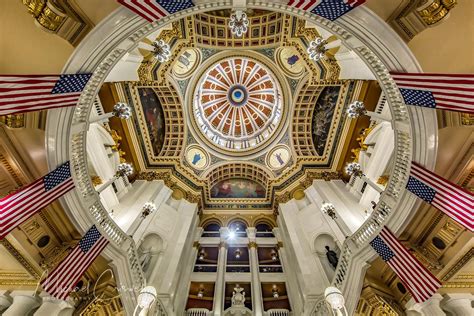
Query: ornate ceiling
(240,123)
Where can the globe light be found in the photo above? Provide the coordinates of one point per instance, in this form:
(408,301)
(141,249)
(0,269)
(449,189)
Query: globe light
(122,111)
(161,51)
(275,291)
(146,297)
(200,294)
(237,254)
(316,49)
(238,23)
(334,298)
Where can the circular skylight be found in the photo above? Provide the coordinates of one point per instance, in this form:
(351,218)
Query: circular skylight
(237,103)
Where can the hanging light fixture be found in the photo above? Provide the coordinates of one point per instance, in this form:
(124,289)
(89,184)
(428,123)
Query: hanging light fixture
(354,168)
(336,301)
(275,291)
(122,111)
(200,293)
(148,208)
(237,253)
(202,254)
(356,109)
(145,299)
(274,255)
(161,51)
(238,23)
(124,169)
(316,49)
(329,209)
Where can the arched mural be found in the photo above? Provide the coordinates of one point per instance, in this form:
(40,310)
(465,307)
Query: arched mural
(238,189)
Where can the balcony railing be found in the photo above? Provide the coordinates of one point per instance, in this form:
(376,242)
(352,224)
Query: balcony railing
(205,268)
(238,268)
(198,312)
(270,269)
(210,234)
(278,312)
(265,234)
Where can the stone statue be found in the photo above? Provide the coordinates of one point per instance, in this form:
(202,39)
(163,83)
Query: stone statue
(332,257)
(238,296)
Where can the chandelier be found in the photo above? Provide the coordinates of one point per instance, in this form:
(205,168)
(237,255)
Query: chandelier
(274,255)
(122,111)
(316,49)
(238,23)
(148,208)
(353,168)
(124,169)
(237,254)
(200,293)
(329,209)
(356,109)
(202,254)
(161,51)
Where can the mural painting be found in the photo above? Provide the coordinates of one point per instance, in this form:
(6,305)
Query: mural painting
(154,118)
(322,117)
(237,189)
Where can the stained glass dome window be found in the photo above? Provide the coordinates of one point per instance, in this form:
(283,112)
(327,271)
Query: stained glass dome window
(238,103)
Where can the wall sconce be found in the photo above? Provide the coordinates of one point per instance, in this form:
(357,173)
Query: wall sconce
(202,254)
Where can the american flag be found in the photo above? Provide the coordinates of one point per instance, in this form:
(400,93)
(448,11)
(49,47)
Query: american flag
(39,92)
(449,198)
(441,91)
(63,279)
(329,9)
(24,203)
(152,10)
(416,278)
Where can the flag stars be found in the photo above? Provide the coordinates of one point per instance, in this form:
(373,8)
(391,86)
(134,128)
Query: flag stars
(418,97)
(420,189)
(57,176)
(382,249)
(333,9)
(71,83)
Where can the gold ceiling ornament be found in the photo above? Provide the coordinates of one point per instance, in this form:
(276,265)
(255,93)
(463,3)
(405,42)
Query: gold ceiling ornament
(157,175)
(96,180)
(383,180)
(298,194)
(467,119)
(13,120)
(56,256)
(252,244)
(22,260)
(435,10)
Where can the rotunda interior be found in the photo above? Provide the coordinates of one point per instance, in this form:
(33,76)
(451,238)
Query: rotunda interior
(236,157)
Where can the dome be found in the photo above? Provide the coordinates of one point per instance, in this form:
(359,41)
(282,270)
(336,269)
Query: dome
(237,103)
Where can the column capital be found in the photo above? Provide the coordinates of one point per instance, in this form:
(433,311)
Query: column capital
(196,245)
(279,245)
(223,244)
(252,244)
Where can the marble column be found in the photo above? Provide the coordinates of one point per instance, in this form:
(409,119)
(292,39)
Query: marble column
(429,308)
(254,270)
(23,305)
(458,304)
(53,307)
(220,281)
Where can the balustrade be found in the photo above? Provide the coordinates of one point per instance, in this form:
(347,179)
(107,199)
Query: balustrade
(197,312)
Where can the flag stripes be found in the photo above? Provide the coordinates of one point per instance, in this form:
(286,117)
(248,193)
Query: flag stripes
(446,196)
(329,9)
(152,10)
(421,283)
(454,92)
(17,207)
(39,92)
(62,280)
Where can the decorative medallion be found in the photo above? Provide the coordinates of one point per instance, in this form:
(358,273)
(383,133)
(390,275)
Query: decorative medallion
(197,157)
(290,61)
(187,61)
(278,157)
(238,103)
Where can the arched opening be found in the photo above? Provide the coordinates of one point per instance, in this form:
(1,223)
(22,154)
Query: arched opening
(238,227)
(264,230)
(149,254)
(211,229)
